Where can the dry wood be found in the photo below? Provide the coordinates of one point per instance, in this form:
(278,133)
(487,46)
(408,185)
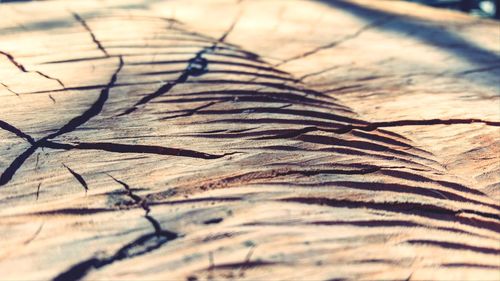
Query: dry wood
(259,140)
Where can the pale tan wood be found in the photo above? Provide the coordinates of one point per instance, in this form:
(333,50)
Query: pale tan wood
(322,140)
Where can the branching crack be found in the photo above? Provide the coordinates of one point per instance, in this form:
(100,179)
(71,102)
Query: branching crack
(197,66)
(95,109)
(141,246)
(143,203)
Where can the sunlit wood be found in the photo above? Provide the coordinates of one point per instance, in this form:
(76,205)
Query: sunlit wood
(257,140)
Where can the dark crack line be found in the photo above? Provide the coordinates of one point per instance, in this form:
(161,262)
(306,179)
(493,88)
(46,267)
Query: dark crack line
(143,203)
(8,127)
(230,29)
(356,34)
(248,55)
(455,246)
(283,110)
(14,61)
(342,88)
(407,208)
(9,172)
(95,109)
(104,146)
(38,191)
(246,263)
(35,235)
(37,159)
(207,38)
(288,96)
(139,201)
(52,98)
(376,125)
(314,172)
(280,86)
(141,246)
(388,187)
(301,134)
(92,35)
(51,78)
(478,70)
(91,87)
(191,111)
(230,55)
(197,66)
(309,75)
(134,148)
(9,89)
(427,122)
(159,92)
(23,69)
(282,172)
(78,177)
(255,75)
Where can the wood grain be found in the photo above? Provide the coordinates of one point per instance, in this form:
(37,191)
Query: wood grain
(253,140)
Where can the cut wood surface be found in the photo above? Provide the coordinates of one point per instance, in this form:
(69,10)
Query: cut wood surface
(253,140)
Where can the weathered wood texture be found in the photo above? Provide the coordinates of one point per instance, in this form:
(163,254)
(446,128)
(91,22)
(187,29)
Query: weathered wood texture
(259,140)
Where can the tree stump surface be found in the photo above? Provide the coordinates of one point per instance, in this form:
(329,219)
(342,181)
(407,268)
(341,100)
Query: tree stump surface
(257,140)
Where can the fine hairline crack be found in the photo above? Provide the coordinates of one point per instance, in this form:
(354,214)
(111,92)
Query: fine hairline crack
(92,35)
(354,35)
(9,89)
(22,68)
